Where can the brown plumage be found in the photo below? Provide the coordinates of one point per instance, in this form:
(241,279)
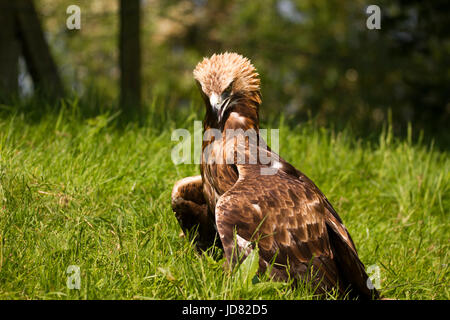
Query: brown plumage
(232,204)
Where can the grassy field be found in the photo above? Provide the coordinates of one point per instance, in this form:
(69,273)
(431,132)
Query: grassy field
(92,192)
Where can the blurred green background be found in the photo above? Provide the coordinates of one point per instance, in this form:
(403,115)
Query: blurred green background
(317,59)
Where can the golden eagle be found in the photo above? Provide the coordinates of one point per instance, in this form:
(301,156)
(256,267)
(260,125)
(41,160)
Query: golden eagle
(236,203)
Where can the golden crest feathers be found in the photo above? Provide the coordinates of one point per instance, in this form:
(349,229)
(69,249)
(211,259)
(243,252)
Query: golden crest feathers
(216,73)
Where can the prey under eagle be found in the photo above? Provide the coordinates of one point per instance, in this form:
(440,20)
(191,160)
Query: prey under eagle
(298,232)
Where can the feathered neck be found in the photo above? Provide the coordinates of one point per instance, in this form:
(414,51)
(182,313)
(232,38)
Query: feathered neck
(243,114)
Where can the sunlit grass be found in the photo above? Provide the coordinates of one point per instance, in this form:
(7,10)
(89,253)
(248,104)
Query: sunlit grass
(93,192)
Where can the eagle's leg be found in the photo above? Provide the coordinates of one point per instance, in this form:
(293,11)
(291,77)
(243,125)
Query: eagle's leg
(192,212)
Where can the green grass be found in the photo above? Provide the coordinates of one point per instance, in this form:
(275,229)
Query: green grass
(93,192)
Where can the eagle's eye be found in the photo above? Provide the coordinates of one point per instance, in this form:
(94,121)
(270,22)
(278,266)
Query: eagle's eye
(227,92)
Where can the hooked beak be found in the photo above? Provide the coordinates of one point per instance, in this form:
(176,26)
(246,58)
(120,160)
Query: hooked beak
(219,105)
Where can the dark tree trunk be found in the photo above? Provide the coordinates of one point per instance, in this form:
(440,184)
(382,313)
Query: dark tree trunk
(130,55)
(9,49)
(36,50)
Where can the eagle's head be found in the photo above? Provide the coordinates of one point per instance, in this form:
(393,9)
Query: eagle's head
(226,81)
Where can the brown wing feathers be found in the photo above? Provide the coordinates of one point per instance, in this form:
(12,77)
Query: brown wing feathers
(274,215)
(289,225)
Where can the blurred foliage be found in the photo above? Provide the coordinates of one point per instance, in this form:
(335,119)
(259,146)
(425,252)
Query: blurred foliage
(316,58)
